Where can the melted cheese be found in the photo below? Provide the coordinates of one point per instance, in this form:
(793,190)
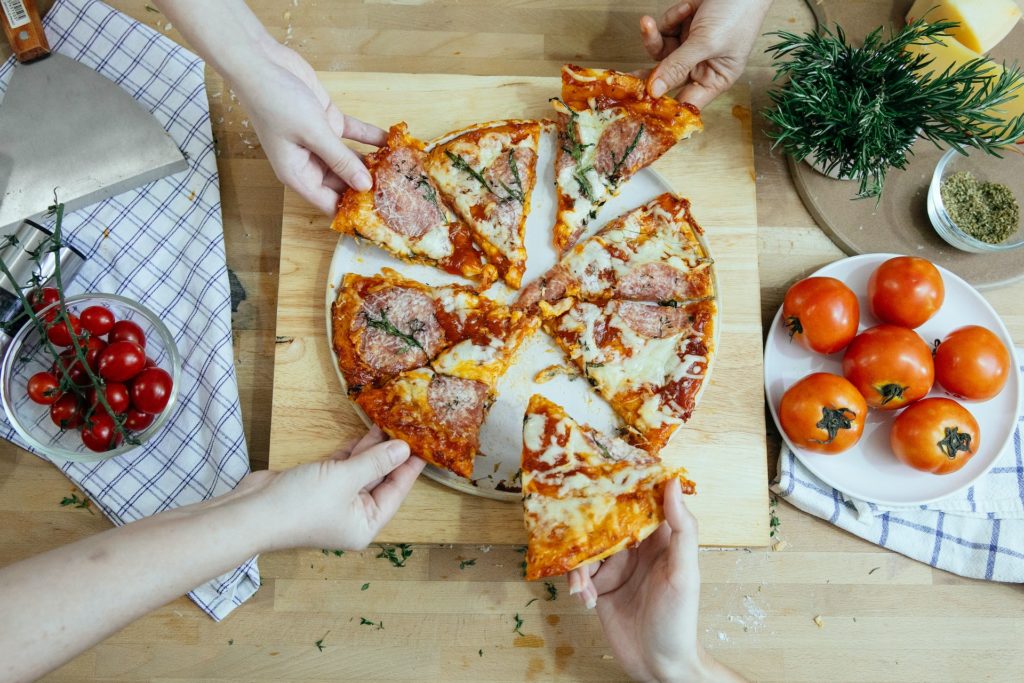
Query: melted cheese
(436,243)
(589,126)
(471,361)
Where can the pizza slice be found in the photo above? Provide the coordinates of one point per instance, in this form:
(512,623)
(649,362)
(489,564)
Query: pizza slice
(384,324)
(488,351)
(609,128)
(439,416)
(647,360)
(649,254)
(405,214)
(487,172)
(586,495)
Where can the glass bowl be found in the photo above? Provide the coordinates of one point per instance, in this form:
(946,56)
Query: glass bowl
(1008,170)
(26,355)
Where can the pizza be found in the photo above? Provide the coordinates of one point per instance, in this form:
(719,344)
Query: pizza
(487,172)
(586,495)
(439,416)
(648,360)
(385,324)
(609,128)
(485,354)
(405,214)
(649,254)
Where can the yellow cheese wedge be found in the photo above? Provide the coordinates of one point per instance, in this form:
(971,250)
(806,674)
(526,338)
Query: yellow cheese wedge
(983,23)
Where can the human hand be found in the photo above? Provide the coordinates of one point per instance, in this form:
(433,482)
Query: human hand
(340,502)
(647,599)
(301,130)
(702,46)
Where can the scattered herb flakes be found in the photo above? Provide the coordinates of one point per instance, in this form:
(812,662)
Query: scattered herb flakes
(336,553)
(531,602)
(480,652)
(320,643)
(873,571)
(986,211)
(519,625)
(231,642)
(552,591)
(80,503)
(365,586)
(773,521)
(467,563)
(363,621)
(397,555)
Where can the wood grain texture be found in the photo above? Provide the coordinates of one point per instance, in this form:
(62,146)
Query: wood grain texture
(903,621)
(722,447)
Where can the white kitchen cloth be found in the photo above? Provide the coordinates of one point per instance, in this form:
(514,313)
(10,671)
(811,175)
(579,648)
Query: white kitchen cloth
(978,532)
(162,245)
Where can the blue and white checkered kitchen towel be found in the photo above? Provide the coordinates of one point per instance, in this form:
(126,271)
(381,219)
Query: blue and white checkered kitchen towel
(977,533)
(162,245)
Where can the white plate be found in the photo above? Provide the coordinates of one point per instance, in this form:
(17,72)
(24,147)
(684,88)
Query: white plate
(497,466)
(869,470)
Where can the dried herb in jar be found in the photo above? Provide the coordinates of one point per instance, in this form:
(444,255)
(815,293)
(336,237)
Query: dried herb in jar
(986,211)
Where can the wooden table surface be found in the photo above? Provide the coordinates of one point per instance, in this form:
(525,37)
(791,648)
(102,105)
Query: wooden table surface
(882,616)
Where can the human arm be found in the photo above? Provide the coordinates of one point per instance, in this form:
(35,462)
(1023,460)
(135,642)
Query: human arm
(298,126)
(647,599)
(58,604)
(701,46)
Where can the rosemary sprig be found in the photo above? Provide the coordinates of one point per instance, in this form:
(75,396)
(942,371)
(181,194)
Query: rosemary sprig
(614,175)
(430,194)
(574,147)
(510,193)
(386,326)
(858,110)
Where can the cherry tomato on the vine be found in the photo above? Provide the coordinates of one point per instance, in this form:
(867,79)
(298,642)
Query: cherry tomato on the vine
(66,412)
(136,420)
(93,348)
(821,314)
(126,330)
(151,390)
(116,395)
(44,388)
(69,362)
(936,435)
(905,291)
(97,320)
(121,361)
(890,366)
(100,433)
(823,413)
(59,332)
(972,363)
(41,298)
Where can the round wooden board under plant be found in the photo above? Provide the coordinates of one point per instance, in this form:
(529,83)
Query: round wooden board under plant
(898,223)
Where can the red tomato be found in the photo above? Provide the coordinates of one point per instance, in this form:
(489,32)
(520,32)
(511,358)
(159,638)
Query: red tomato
(136,420)
(100,434)
(97,320)
(44,388)
(66,412)
(151,390)
(821,313)
(905,291)
(150,363)
(59,333)
(890,366)
(116,394)
(93,348)
(121,361)
(823,413)
(936,435)
(41,298)
(70,363)
(126,330)
(972,363)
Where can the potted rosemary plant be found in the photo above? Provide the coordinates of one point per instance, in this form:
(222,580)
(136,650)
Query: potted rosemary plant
(854,112)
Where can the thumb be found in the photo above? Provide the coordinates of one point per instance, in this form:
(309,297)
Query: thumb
(377,462)
(674,70)
(341,160)
(682,545)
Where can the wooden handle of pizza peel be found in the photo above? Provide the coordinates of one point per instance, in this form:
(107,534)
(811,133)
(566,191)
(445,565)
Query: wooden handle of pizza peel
(23,29)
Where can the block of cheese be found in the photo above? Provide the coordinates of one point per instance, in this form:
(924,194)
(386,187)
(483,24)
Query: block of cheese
(950,53)
(983,23)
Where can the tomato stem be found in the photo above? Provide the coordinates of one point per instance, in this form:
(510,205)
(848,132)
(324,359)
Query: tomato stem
(954,442)
(793,325)
(891,392)
(834,419)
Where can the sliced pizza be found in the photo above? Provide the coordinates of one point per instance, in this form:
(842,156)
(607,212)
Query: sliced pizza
(385,324)
(405,214)
(586,495)
(487,172)
(649,361)
(609,127)
(437,415)
(649,254)
(489,350)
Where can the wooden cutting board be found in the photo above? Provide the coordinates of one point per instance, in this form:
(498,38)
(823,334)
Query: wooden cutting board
(723,447)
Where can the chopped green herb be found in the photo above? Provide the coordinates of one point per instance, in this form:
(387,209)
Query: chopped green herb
(580,176)
(531,602)
(365,586)
(480,652)
(336,553)
(519,625)
(397,555)
(320,643)
(231,642)
(552,591)
(873,571)
(614,175)
(467,563)
(363,621)
(80,503)
(429,194)
(386,326)
(986,211)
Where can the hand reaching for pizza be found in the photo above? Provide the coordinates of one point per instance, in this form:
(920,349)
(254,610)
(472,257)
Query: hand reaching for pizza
(342,501)
(702,46)
(647,599)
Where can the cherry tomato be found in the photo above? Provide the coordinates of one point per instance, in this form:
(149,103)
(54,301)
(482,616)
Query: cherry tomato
(150,363)
(890,366)
(100,434)
(136,420)
(70,363)
(44,388)
(821,313)
(59,333)
(151,390)
(41,298)
(66,412)
(93,348)
(126,330)
(121,361)
(972,363)
(823,413)
(905,291)
(116,394)
(97,320)
(936,435)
